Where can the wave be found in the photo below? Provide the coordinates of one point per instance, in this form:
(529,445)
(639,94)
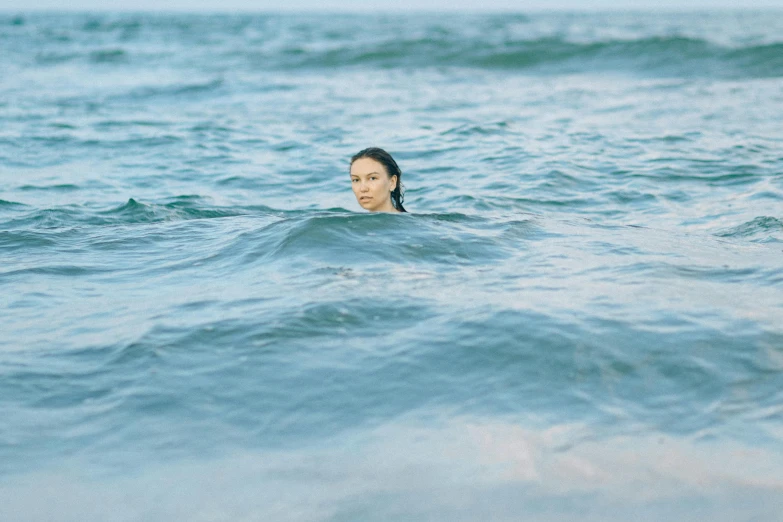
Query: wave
(321,240)
(658,56)
(339,238)
(55,58)
(60,187)
(183,208)
(132,212)
(108,56)
(321,44)
(5,204)
(100,24)
(761,229)
(24,240)
(54,270)
(175,90)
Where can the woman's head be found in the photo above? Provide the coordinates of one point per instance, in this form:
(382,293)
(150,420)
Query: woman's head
(377,181)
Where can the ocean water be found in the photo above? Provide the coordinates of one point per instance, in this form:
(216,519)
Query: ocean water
(580,318)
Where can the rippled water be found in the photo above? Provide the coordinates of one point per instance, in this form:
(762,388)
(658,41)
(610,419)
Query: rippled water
(581,318)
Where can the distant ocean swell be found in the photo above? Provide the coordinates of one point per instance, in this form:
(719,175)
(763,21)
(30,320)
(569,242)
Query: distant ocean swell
(655,56)
(259,42)
(658,56)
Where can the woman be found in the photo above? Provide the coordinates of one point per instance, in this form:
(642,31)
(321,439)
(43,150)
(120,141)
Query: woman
(377,181)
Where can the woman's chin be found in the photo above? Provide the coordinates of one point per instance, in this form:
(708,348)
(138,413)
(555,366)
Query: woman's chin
(367,205)
(372,206)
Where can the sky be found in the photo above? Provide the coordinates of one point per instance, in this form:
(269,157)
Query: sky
(385,5)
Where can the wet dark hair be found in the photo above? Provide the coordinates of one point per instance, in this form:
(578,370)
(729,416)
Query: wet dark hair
(385,159)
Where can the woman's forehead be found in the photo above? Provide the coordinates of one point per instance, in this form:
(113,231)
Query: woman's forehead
(366,166)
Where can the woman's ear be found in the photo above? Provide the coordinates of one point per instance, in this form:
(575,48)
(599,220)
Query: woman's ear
(393,182)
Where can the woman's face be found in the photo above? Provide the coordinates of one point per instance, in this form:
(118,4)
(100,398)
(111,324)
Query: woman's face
(372,185)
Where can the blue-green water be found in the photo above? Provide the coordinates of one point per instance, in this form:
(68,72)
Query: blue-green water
(581,317)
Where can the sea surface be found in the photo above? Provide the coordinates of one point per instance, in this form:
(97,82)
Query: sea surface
(579,319)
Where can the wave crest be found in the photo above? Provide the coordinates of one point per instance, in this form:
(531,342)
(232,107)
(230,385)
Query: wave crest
(656,56)
(762,229)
